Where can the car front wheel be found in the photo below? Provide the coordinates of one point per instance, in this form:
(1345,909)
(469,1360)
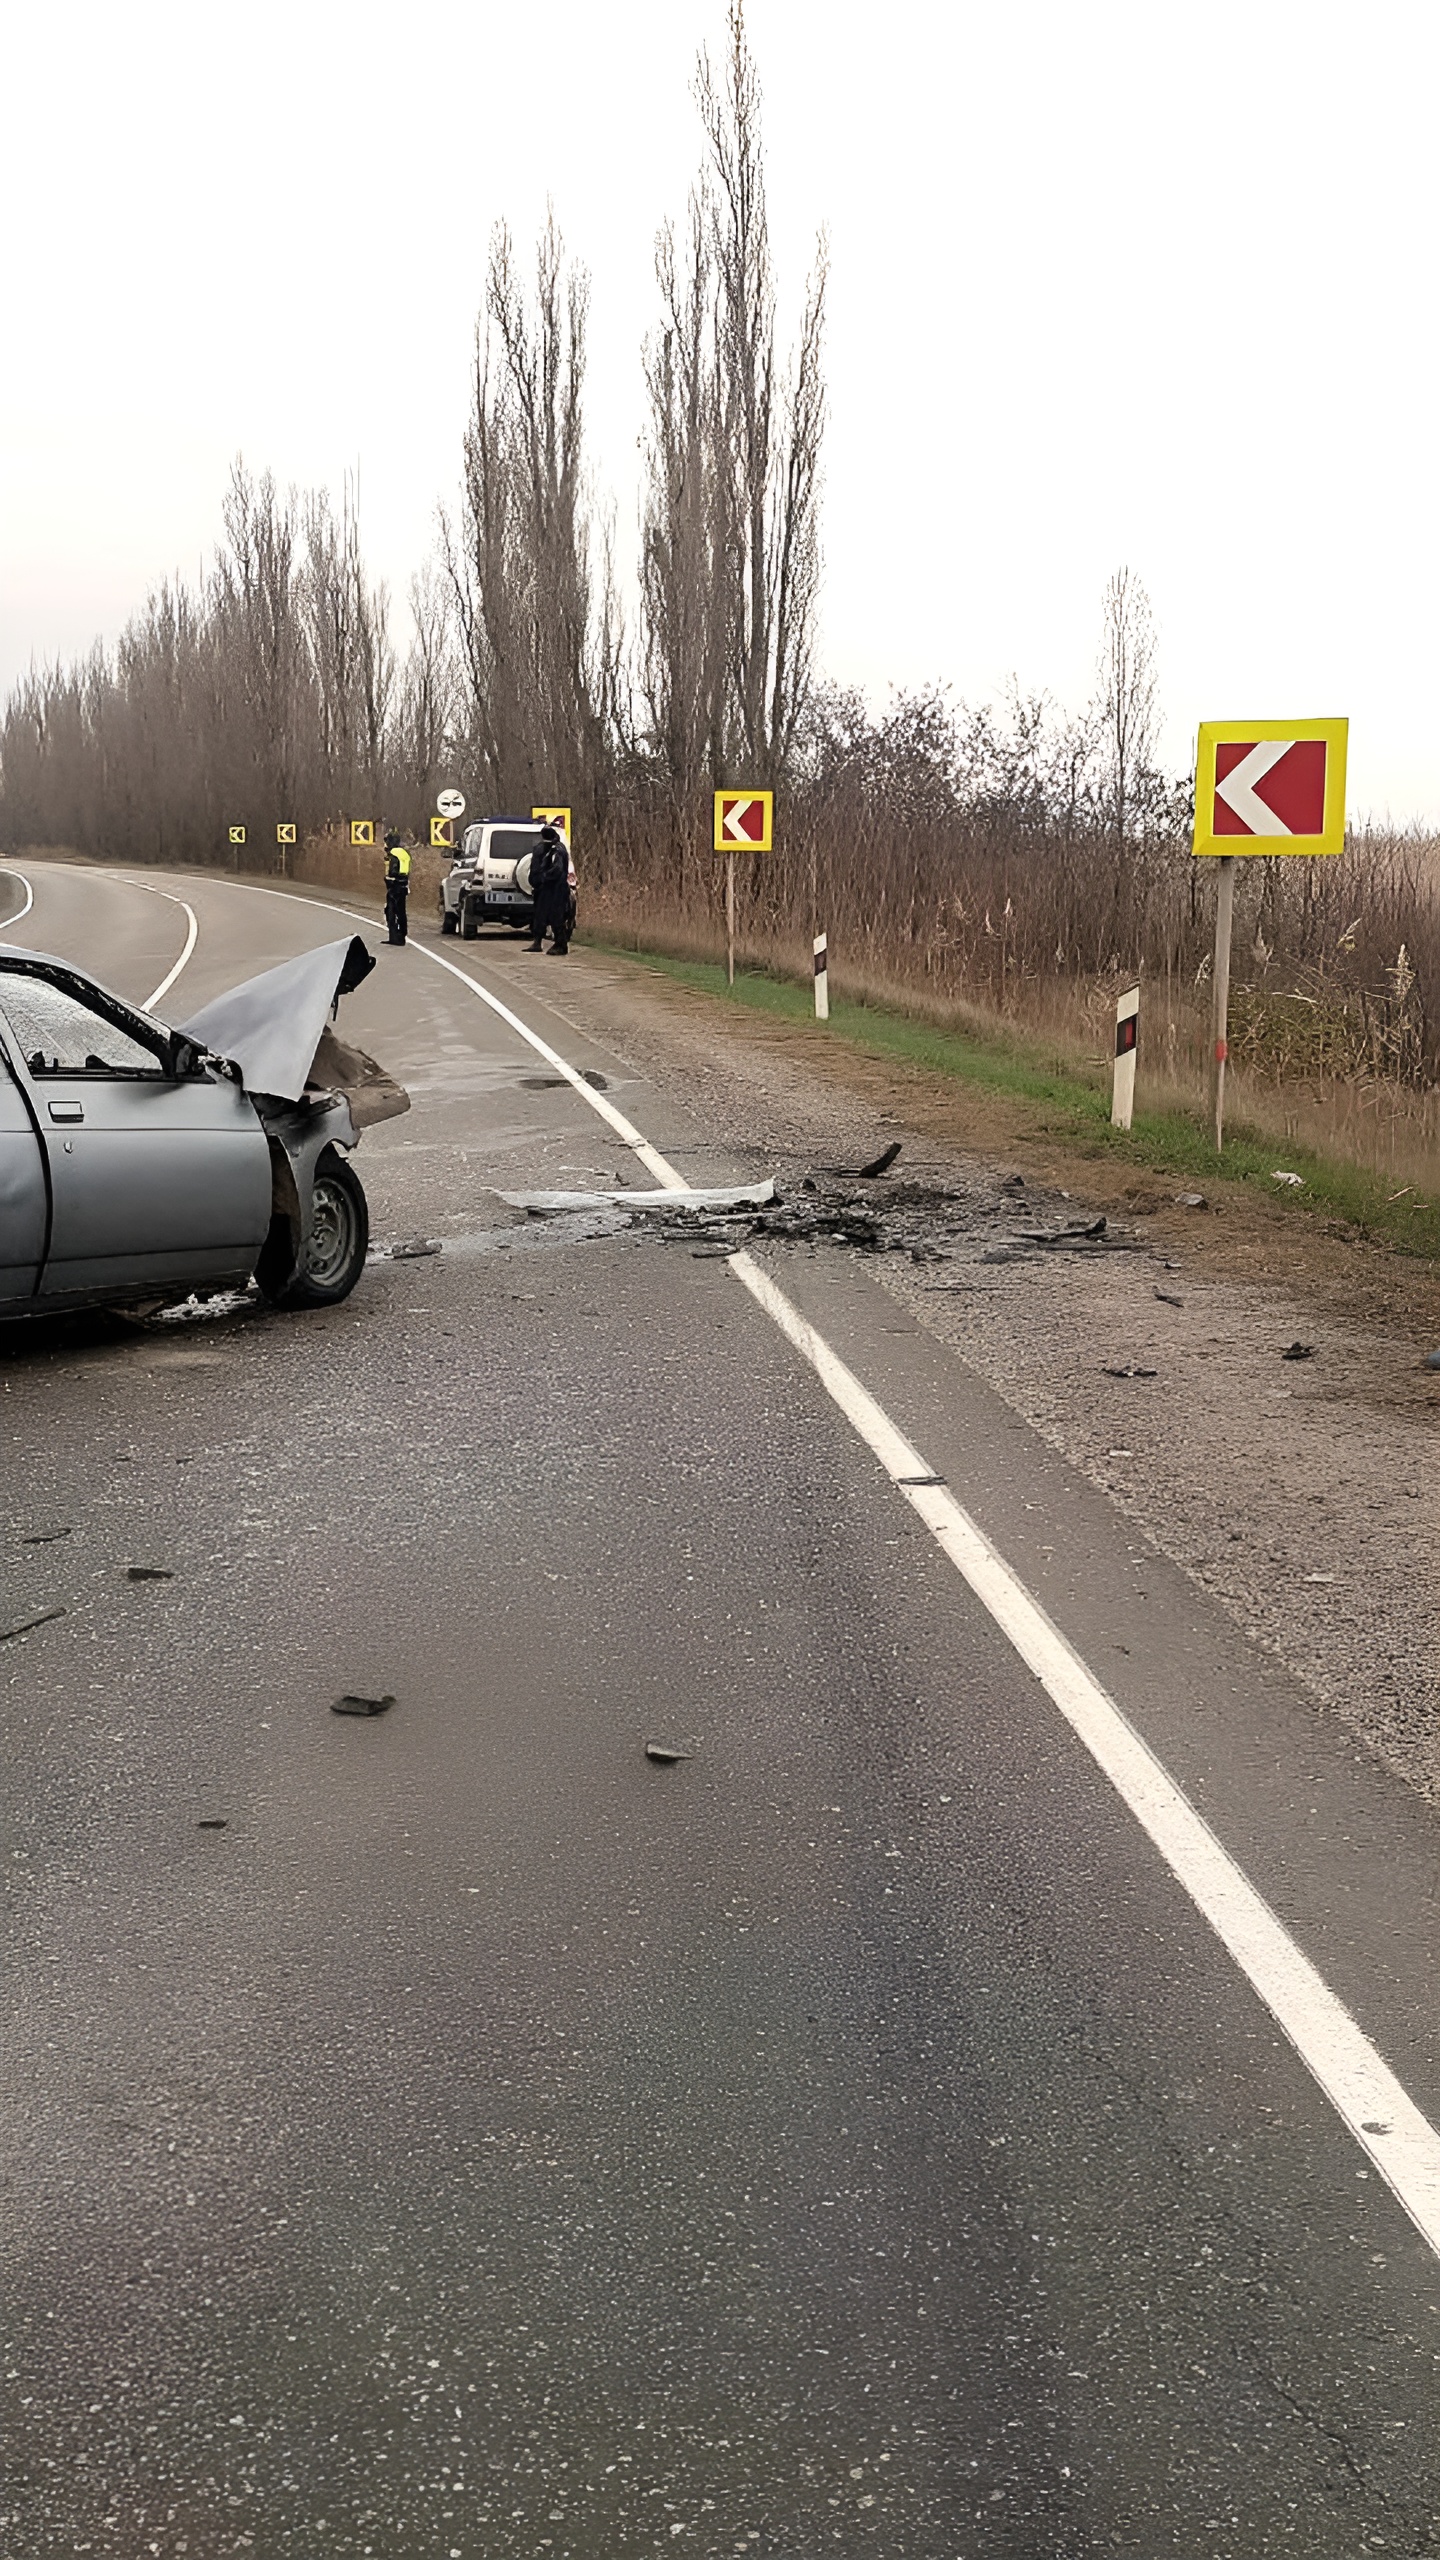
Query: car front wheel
(337,1239)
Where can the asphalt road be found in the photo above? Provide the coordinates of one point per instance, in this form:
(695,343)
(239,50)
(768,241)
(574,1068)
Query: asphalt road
(850,2138)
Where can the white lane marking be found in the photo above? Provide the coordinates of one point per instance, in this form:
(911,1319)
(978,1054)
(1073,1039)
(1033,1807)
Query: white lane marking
(168,981)
(29,896)
(1365,2093)
(1362,2088)
(649,1156)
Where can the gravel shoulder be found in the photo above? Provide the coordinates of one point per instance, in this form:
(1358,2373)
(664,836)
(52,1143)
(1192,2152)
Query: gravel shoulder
(1301,1493)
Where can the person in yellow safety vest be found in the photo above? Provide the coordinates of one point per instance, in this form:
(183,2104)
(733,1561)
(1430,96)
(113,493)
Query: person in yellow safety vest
(397,885)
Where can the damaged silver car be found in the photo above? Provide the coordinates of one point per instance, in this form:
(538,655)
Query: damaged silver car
(140,1162)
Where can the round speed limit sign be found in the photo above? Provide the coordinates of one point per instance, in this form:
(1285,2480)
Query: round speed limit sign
(451,804)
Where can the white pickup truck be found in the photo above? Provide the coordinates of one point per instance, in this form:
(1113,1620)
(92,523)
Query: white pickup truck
(489,880)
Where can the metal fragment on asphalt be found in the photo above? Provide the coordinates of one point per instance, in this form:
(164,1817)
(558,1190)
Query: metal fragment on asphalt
(351,1704)
(148,1573)
(666,1754)
(23,1626)
(866,1172)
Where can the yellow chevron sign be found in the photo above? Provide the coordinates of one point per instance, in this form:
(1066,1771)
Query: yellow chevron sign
(237,835)
(362,830)
(284,834)
(554,818)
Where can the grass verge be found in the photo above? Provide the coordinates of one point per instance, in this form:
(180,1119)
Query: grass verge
(1063,1102)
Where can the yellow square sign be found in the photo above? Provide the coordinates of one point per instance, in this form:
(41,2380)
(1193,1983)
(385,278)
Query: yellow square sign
(554,818)
(362,830)
(284,834)
(1270,786)
(237,835)
(441,840)
(744,821)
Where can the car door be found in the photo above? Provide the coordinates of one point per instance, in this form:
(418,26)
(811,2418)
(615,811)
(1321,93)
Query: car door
(23,1196)
(156,1180)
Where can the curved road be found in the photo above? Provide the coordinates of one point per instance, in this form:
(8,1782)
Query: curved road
(850,2138)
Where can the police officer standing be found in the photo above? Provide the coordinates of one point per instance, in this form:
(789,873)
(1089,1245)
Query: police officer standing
(550,891)
(397,885)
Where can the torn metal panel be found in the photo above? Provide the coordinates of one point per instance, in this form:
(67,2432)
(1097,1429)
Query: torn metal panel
(372,1094)
(270,1026)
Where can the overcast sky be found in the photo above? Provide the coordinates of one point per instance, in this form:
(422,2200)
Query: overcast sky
(1111,282)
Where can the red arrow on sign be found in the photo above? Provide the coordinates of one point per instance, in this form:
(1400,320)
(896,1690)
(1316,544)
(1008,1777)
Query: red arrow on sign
(1274,788)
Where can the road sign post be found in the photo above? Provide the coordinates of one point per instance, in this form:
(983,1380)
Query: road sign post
(1127,1042)
(822,978)
(744,822)
(1267,787)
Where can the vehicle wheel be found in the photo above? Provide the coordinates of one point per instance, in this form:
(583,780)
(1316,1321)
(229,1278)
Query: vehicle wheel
(469,920)
(332,1256)
(448,920)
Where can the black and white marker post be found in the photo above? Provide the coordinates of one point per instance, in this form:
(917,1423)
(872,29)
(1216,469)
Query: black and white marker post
(1127,1041)
(822,979)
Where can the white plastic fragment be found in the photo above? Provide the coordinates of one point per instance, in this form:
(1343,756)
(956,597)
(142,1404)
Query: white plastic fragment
(564,1204)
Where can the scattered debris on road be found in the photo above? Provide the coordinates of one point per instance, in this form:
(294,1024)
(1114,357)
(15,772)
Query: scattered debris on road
(1191,1200)
(666,1754)
(148,1573)
(1131,1369)
(1298,1351)
(213,1822)
(1168,1298)
(48,1537)
(1296,1181)
(352,1704)
(415,1248)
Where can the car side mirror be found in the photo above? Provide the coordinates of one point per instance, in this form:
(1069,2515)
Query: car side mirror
(185,1058)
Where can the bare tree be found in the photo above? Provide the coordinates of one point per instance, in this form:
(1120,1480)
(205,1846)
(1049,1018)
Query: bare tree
(731,525)
(536,613)
(685,536)
(427,698)
(1127,675)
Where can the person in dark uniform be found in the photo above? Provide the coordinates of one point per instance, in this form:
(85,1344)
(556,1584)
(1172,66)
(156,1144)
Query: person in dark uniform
(397,886)
(550,891)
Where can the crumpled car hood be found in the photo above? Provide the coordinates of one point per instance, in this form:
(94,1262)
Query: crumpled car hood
(270,1026)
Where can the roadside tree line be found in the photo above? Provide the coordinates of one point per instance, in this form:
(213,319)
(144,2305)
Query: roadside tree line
(991,856)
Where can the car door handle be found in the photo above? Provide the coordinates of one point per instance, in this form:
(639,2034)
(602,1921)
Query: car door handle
(67,1110)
